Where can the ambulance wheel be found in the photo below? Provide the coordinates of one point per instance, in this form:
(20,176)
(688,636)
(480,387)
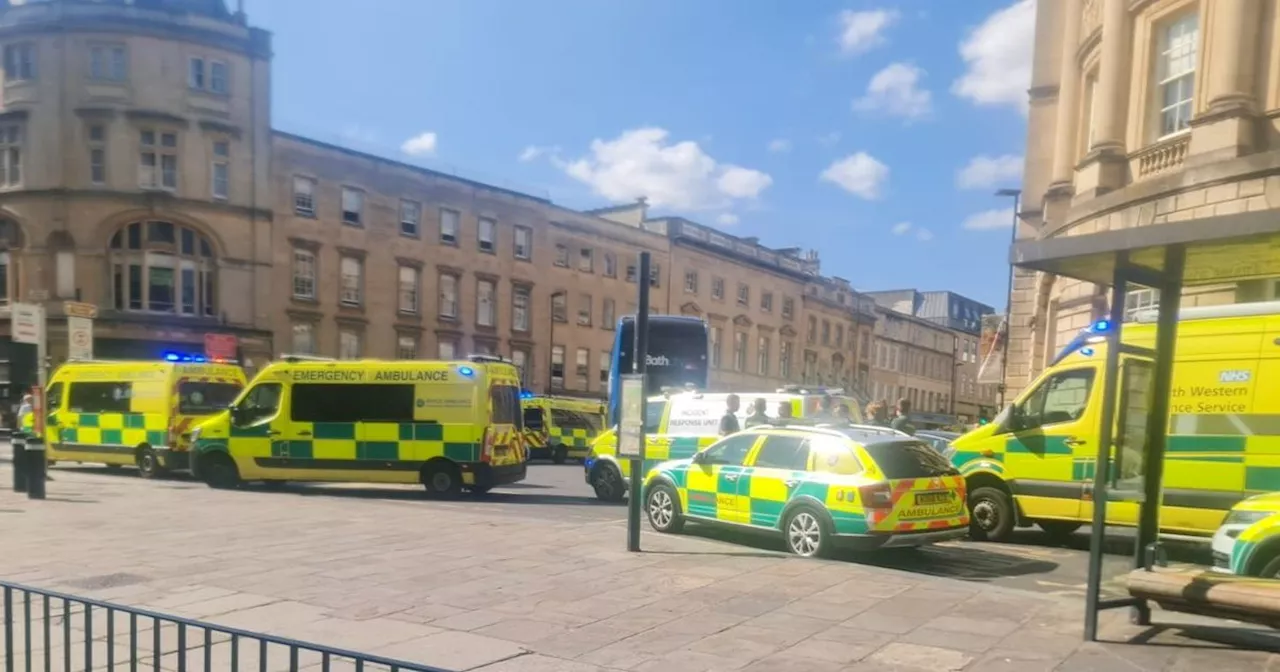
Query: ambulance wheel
(442,479)
(663,508)
(606,480)
(807,533)
(990,514)
(220,471)
(559,454)
(1270,570)
(148,463)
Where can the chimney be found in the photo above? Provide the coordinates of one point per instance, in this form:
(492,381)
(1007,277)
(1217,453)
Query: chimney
(643,202)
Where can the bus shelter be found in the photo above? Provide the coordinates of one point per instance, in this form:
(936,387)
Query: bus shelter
(1129,470)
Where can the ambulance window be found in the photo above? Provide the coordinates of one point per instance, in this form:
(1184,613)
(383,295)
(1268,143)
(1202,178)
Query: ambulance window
(1061,398)
(504,405)
(783,452)
(731,451)
(262,402)
(533,418)
(100,397)
(53,397)
(653,415)
(834,456)
(574,420)
(335,402)
(201,398)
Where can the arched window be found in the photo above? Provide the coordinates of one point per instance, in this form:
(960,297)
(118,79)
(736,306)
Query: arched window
(162,267)
(10,239)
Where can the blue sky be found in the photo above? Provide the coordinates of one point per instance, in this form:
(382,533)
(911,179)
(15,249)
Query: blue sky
(874,132)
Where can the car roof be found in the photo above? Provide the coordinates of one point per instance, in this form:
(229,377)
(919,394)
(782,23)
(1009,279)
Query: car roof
(862,434)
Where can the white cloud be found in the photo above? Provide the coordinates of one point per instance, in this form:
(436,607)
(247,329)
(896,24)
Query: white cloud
(423,144)
(985,172)
(924,235)
(859,174)
(727,219)
(779,145)
(998,58)
(861,32)
(989,220)
(901,228)
(895,90)
(641,162)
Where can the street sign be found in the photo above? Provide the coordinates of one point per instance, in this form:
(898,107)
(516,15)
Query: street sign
(78,309)
(28,323)
(79,337)
(220,346)
(631,416)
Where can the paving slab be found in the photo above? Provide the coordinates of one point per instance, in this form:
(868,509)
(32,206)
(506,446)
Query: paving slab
(463,587)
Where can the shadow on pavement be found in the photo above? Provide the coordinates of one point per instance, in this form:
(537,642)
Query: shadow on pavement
(406,494)
(1118,542)
(1201,636)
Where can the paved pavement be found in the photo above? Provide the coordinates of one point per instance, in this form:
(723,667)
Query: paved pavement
(522,582)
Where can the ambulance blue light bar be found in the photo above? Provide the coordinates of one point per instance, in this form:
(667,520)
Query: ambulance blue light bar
(184,357)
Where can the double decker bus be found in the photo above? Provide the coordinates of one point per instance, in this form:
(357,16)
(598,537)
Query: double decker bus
(677,356)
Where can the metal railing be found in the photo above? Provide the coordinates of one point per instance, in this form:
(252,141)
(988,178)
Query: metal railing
(47,630)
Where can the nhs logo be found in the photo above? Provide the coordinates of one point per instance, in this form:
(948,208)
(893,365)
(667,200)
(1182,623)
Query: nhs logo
(1235,376)
(659,360)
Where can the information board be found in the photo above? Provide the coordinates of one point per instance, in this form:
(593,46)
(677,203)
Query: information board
(631,416)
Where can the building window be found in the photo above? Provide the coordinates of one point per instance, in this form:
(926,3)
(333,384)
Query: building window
(714,343)
(826,332)
(304,338)
(560,307)
(218,77)
(762,356)
(196,74)
(446,349)
(604,362)
(352,275)
(631,273)
(582,369)
(19,62)
(739,351)
(655,275)
(352,206)
(304,274)
(557,367)
(449,221)
(788,307)
(608,315)
(406,347)
(448,295)
(864,348)
(108,62)
(717,288)
(584,310)
(523,248)
(158,161)
(691,282)
(64,264)
(610,265)
(586,260)
(485,234)
(410,218)
(562,255)
(10,155)
(784,360)
(97,154)
(160,267)
(520,360)
(813,330)
(348,344)
(486,303)
(1139,301)
(408,281)
(744,294)
(1177,72)
(520,308)
(221,170)
(304,199)
(839,335)
(1091,111)
(766,302)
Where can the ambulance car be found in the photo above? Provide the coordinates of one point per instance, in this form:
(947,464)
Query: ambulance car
(560,428)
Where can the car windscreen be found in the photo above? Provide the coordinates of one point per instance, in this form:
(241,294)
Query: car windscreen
(909,459)
(205,398)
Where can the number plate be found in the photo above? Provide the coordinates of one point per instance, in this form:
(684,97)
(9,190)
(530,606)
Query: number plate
(931,498)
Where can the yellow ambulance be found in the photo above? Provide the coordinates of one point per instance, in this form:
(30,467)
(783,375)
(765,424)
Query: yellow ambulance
(560,428)
(136,413)
(1035,462)
(449,425)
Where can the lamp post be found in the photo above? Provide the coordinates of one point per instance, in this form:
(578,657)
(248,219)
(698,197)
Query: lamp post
(1003,338)
(551,338)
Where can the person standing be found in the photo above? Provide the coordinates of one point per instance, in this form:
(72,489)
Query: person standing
(784,413)
(758,415)
(900,421)
(729,421)
(876,414)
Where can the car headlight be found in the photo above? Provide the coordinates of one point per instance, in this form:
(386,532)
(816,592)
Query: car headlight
(1246,517)
(195,434)
(949,452)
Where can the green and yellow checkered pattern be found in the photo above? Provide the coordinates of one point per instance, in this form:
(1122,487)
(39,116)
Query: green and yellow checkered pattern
(329,445)
(105,433)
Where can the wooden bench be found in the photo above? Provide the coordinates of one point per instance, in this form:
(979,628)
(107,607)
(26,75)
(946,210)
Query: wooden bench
(1240,598)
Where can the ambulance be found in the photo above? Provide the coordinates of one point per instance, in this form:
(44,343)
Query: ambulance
(560,428)
(1034,464)
(134,413)
(447,425)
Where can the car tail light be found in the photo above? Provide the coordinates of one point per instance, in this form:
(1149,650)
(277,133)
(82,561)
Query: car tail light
(878,496)
(486,449)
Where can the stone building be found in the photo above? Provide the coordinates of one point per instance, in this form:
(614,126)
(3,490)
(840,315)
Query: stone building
(914,360)
(1141,114)
(140,173)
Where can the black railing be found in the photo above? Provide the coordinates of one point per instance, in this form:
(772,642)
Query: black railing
(47,630)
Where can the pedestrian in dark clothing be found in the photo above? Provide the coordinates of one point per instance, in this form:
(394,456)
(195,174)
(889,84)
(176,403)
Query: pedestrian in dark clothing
(900,421)
(759,413)
(784,413)
(729,421)
(876,414)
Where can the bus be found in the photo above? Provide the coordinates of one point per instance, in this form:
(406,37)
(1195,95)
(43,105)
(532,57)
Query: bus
(677,356)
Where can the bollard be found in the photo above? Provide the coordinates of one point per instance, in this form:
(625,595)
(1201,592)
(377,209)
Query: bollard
(36,467)
(18,441)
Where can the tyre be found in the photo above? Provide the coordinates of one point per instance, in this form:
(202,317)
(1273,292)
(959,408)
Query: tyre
(990,514)
(559,454)
(606,480)
(1270,569)
(663,508)
(148,463)
(220,471)
(442,479)
(1059,529)
(807,534)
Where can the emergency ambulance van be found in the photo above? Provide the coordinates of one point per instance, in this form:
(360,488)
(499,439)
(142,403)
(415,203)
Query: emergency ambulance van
(137,413)
(560,428)
(679,424)
(449,425)
(1035,462)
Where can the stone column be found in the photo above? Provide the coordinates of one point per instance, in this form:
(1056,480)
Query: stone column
(1064,139)
(1113,77)
(1226,128)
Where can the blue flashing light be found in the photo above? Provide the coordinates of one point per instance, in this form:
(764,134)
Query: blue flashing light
(466,371)
(526,394)
(172,357)
(1101,326)
(1087,352)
